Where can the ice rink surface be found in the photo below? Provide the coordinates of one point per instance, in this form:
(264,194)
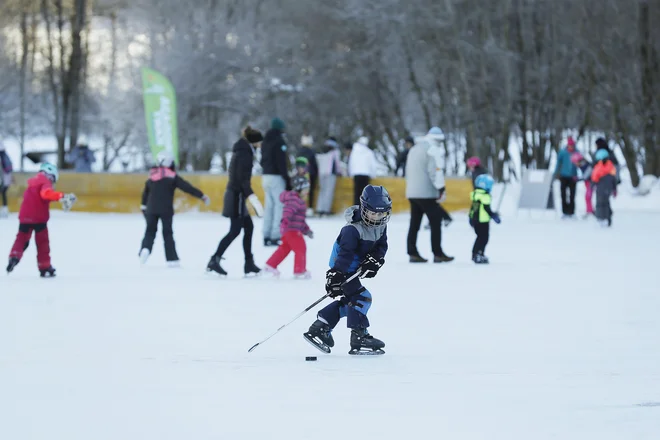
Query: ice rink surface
(558,338)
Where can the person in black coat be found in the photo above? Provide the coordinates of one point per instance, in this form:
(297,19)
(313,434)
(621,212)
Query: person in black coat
(275,179)
(158,204)
(239,190)
(403,156)
(307,151)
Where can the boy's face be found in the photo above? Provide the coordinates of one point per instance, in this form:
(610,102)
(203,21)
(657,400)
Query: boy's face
(375,216)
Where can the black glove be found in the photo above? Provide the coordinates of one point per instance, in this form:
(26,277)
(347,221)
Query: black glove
(370,266)
(333,283)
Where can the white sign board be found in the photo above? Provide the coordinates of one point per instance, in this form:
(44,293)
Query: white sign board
(536,190)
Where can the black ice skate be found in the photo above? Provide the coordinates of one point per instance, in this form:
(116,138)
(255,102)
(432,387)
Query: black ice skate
(417,259)
(250,267)
(442,258)
(319,336)
(214,266)
(13,261)
(480,258)
(363,344)
(47,273)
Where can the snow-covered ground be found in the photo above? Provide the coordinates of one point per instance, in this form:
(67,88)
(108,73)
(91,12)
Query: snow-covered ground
(557,339)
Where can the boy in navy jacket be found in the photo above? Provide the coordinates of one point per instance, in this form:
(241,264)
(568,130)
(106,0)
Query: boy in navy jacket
(360,247)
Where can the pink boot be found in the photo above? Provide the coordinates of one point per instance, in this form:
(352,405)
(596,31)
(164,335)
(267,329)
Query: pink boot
(272,271)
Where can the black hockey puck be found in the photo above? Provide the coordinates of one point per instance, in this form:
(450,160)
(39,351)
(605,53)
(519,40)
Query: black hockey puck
(310,358)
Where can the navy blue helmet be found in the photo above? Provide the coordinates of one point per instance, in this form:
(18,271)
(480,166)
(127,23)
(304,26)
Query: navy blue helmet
(375,206)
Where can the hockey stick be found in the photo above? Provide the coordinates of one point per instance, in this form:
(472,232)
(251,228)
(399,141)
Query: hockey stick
(351,278)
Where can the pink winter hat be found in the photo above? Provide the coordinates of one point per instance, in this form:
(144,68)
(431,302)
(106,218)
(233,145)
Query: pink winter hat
(474,161)
(570,142)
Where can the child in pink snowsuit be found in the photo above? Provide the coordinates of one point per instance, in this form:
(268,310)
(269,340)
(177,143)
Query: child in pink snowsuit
(293,229)
(586,168)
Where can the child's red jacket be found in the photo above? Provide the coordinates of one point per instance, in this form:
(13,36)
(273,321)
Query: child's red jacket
(36,200)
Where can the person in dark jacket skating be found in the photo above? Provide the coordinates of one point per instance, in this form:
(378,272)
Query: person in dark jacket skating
(158,204)
(360,247)
(604,178)
(275,180)
(402,157)
(239,190)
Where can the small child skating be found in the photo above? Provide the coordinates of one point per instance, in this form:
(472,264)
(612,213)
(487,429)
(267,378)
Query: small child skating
(302,167)
(158,204)
(293,229)
(604,177)
(585,170)
(360,247)
(480,216)
(34,215)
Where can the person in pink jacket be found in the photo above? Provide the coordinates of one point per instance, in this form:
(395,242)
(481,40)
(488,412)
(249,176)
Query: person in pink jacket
(293,229)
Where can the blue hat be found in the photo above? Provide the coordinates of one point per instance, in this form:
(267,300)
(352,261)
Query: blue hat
(601,155)
(484,181)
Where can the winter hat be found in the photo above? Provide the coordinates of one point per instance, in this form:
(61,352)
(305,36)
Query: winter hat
(277,124)
(306,141)
(601,155)
(436,133)
(576,158)
(164,159)
(410,140)
(570,141)
(299,183)
(474,161)
(253,136)
(302,161)
(601,144)
(331,142)
(363,140)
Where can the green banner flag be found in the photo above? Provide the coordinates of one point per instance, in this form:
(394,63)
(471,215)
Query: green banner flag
(160,113)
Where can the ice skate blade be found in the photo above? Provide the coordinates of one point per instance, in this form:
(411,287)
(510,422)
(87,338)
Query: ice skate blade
(356,352)
(212,272)
(318,345)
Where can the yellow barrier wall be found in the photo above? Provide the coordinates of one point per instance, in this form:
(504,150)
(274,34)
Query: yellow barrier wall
(107,192)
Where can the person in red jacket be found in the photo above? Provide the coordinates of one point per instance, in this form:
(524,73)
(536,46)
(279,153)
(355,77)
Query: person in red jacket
(34,215)
(292,228)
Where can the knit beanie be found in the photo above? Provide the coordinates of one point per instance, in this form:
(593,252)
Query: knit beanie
(601,144)
(278,124)
(252,135)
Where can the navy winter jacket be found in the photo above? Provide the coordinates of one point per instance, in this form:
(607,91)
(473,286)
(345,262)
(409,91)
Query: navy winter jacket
(355,241)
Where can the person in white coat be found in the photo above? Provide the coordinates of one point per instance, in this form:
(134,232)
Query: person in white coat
(361,167)
(425,190)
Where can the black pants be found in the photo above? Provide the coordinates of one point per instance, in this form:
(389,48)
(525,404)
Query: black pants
(3,191)
(483,233)
(168,234)
(419,207)
(359,182)
(312,190)
(238,223)
(567,195)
